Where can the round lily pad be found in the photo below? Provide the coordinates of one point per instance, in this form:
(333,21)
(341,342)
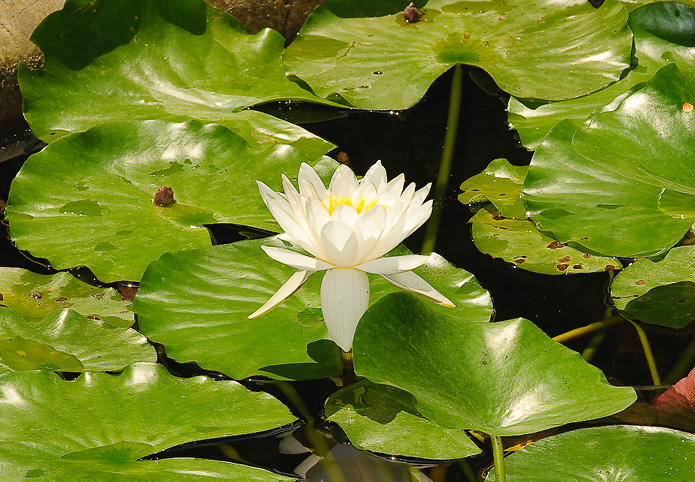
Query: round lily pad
(101,211)
(67,341)
(148,59)
(384,419)
(196,304)
(36,295)
(600,454)
(379,60)
(99,426)
(505,378)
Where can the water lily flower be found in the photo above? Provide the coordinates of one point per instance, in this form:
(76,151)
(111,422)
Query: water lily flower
(348,228)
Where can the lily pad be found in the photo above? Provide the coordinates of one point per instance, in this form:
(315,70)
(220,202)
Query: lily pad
(67,341)
(663,34)
(379,61)
(384,419)
(115,60)
(500,183)
(518,241)
(196,304)
(599,207)
(659,292)
(505,378)
(104,196)
(36,295)
(99,425)
(599,454)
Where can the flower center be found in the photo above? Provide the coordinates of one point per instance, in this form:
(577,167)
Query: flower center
(360,205)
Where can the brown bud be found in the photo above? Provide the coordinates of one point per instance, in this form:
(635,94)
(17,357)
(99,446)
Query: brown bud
(164,197)
(411,13)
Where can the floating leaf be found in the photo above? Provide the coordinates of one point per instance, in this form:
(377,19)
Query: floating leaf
(98,426)
(67,341)
(661,33)
(115,60)
(380,61)
(196,304)
(506,378)
(518,241)
(36,295)
(108,178)
(500,183)
(384,419)
(600,207)
(676,406)
(659,292)
(599,454)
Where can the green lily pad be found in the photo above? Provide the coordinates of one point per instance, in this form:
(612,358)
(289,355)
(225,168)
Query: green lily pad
(598,207)
(661,32)
(382,62)
(115,60)
(518,241)
(36,295)
(384,419)
(599,454)
(196,304)
(659,292)
(98,426)
(67,341)
(505,378)
(500,183)
(108,178)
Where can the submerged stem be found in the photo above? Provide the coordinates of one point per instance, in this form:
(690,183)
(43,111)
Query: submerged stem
(646,347)
(585,330)
(683,365)
(442,182)
(498,458)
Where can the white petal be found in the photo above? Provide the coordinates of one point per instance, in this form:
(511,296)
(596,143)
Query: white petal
(369,229)
(393,264)
(412,283)
(344,299)
(343,182)
(420,195)
(376,175)
(340,244)
(408,223)
(294,259)
(394,188)
(346,214)
(290,286)
(307,173)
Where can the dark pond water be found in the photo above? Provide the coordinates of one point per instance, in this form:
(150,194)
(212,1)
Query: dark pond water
(408,142)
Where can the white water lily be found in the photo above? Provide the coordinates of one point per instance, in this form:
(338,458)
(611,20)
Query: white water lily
(348,228)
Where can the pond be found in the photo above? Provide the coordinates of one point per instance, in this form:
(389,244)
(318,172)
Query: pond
(608,189)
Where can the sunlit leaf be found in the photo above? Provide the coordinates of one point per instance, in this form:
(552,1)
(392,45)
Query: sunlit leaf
(100,211)
(605,453)
(196,304)
(384,419)
(36,295)
(67,341)
(98,426)
(132,59)
(663,34)
(500,183)
(377,60)
(659,292)
(504,378)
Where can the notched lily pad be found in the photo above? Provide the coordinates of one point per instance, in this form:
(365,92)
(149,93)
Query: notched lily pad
(384,419)
(104,196)
(659,292)
(383,62)
(36,295)
(500,183)
(67,341)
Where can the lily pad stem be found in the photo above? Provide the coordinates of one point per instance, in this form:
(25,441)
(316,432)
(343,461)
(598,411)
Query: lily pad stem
(593,346)
(683,365)
(442,182)
(646,347)
(498,458)
(590,328)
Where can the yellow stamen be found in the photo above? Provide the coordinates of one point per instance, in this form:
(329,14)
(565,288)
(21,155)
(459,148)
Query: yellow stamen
(362,204)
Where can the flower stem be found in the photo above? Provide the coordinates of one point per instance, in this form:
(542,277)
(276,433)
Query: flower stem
(442,182)
(683,365)
(498,457)
(348,377)
(646,347)
(593,345)
(585,330)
